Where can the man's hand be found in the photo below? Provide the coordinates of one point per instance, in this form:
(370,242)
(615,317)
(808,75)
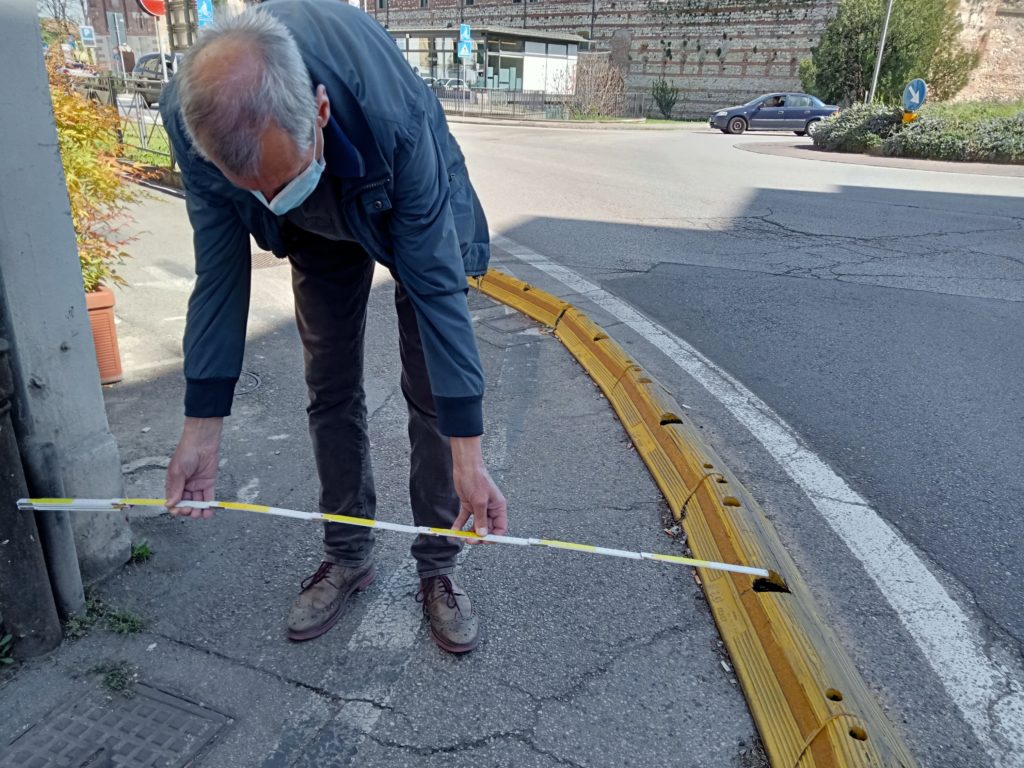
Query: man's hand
(193,468)
(480,497)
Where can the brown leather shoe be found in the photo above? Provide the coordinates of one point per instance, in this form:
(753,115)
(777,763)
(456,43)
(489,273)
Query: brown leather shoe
(324,594)
(453,622)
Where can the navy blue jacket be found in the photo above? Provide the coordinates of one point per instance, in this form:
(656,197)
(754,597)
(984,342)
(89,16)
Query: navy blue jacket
(406,198)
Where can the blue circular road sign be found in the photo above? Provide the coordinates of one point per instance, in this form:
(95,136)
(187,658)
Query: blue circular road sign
(914,95)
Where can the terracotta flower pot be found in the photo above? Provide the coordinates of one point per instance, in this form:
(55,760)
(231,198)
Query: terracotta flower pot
(104,333)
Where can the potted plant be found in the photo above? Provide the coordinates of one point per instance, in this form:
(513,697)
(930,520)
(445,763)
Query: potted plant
(99,195)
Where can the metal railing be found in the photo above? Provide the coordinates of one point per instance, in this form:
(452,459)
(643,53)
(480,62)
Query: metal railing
(142,135)
(535,105)
(140,127)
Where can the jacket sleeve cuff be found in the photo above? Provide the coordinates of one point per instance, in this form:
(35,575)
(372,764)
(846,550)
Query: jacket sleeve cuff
(208,398)
(460,416)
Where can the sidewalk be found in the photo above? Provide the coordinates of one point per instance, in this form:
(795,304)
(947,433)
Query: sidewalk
(587,661)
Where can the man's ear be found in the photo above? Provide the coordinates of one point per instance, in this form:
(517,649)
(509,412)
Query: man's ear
(323,107)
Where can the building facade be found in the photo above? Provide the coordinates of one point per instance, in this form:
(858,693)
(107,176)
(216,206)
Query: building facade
(502,59)
(717,52)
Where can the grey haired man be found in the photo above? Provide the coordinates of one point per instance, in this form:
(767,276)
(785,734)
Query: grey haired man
(300,124)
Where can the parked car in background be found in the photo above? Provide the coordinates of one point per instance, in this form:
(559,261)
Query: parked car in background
(149,75)
(452,84)
(796,112)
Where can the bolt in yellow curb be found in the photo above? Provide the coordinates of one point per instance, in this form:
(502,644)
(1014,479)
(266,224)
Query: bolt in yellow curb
(811,706)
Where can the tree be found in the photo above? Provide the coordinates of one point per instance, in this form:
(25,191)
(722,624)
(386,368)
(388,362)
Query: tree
(599,88)
(923,41)
(665,96)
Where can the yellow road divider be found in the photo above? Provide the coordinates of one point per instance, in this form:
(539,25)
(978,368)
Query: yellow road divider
(811,706)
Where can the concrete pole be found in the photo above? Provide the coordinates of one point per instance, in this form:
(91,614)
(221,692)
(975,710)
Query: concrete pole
(42,304)
(25,597)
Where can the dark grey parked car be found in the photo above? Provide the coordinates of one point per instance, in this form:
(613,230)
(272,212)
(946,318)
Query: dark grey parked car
(149,75)
(796,112)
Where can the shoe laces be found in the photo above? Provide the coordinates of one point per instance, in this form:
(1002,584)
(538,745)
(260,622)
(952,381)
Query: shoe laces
(447,589)
(321,573)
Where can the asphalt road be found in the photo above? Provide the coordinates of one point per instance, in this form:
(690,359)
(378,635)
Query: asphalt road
(876,310)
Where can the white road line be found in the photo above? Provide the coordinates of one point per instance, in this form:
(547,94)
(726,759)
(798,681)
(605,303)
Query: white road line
(987,694)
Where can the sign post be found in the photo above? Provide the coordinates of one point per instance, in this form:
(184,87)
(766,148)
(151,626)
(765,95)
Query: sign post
(465,51)
(156,9)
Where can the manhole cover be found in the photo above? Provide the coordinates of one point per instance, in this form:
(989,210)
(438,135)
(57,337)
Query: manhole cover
(266,260)
(152,729)
(247,382)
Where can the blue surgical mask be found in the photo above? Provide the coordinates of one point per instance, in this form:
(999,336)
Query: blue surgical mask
(297,190)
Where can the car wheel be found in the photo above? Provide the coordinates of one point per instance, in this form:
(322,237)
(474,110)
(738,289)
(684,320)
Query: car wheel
(812,126)
(737,125)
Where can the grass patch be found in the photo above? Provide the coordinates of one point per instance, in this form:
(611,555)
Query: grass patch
(118,676)
(6,659)
(98,613)
(141,552)
(157,152)
(79,625)
(124,622)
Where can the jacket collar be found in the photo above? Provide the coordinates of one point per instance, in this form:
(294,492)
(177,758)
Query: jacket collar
(342,158)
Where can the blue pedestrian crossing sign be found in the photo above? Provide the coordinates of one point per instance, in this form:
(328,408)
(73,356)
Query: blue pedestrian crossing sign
(465,49)
(914,95)
(464,33)
(204,13)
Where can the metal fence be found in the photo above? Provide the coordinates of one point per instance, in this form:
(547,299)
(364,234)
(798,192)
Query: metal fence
(534,105)
(140,128)
(141,131)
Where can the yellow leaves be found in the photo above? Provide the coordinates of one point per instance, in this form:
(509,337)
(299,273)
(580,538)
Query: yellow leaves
(97,192)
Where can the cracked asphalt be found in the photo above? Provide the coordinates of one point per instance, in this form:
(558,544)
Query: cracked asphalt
(586,662)
(877,310)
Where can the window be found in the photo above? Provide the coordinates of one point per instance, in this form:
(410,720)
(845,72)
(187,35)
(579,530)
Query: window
(382,4)
(424,3)
(798,101)
(557,49)
(532,47)
(469,2)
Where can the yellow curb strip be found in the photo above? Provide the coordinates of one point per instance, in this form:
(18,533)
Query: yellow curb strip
(811,706)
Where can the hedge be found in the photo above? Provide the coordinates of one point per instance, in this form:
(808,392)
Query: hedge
(959,132)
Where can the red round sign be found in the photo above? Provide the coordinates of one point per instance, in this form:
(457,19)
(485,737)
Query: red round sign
(153,7)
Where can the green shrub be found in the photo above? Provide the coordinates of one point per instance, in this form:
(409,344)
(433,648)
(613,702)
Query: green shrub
(665,96)
(938,136)
(1001,140)
(931,137)
(858,128)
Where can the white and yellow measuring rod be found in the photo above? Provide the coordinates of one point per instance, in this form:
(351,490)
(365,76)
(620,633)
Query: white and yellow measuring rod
(104,505)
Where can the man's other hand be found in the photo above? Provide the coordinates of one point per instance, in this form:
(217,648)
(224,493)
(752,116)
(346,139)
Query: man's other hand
(480,497)
(193,469)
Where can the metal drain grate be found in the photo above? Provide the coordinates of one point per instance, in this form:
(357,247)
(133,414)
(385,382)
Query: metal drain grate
(266,260)
(247,382)
(152,729)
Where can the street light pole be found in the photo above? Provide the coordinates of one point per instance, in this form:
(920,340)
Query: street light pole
(881,48)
